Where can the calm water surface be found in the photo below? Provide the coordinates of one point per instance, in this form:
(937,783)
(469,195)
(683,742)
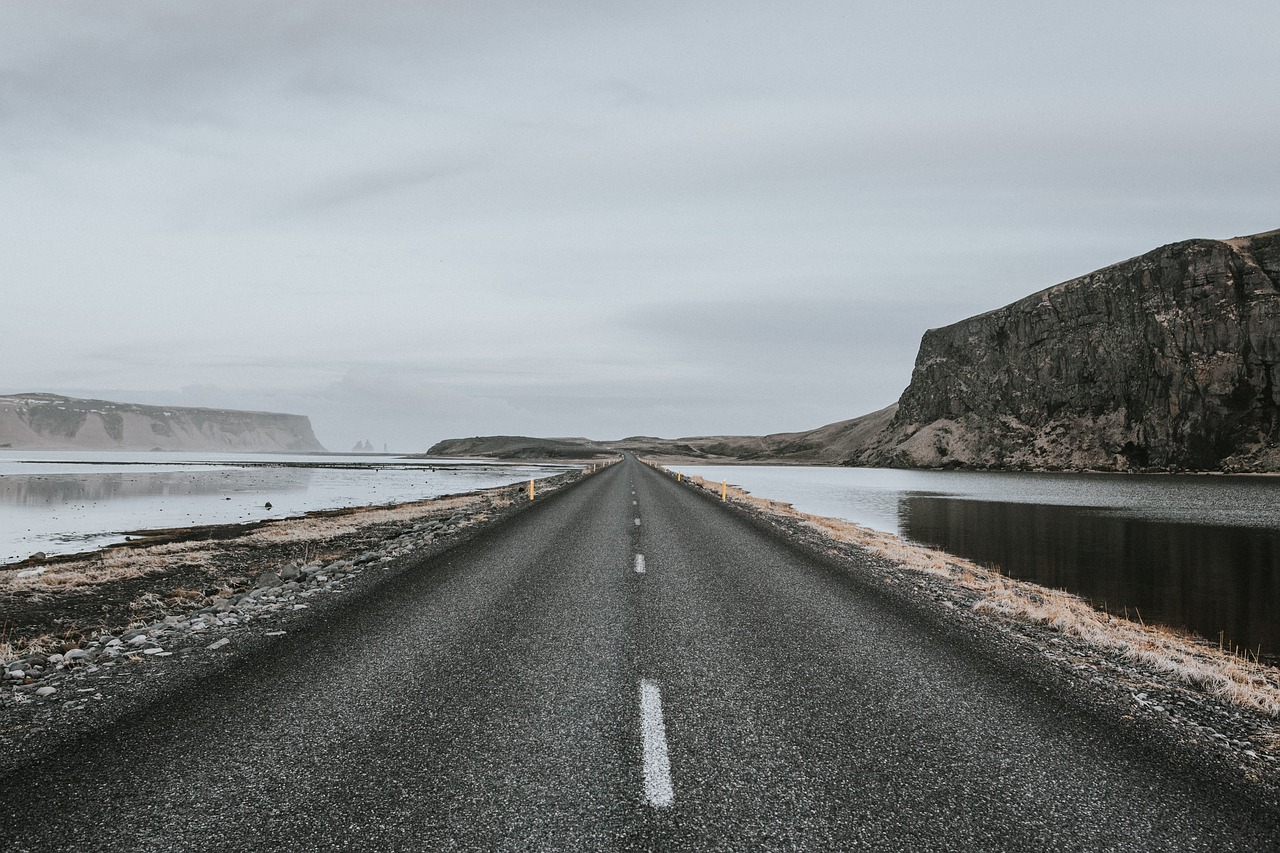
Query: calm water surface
(1195,552)
(71,501)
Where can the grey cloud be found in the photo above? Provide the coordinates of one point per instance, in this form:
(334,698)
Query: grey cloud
(411,219)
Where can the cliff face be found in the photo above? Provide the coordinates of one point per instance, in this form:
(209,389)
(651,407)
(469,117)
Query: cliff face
(51,422)
(1167,361)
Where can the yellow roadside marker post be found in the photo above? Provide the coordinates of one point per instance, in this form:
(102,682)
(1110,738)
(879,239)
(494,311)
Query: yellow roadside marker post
(678,473)
(724,488)
(531,490)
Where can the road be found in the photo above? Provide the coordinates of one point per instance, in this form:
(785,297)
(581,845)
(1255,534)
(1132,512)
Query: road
(627,666)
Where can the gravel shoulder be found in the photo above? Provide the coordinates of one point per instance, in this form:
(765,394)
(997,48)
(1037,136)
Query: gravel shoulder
(90,638)
(1161,687)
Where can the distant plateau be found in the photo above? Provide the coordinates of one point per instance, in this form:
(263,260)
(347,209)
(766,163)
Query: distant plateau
(53,422)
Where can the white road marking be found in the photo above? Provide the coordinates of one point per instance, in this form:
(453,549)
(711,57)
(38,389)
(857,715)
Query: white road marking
(637,522)
(639,564)
(653,736)
(633,503)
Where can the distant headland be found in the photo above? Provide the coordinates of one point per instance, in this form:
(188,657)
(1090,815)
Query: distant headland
(53,422)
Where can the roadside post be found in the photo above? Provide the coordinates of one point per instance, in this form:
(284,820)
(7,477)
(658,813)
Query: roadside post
(724,488)
(530,489)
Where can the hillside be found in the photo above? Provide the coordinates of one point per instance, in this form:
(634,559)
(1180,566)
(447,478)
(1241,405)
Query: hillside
(1167,361)
(517,447)
(825,445)
(52,422)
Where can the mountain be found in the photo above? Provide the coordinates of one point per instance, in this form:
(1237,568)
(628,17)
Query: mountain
(829,445)
(52,422)
(1167,361)
(825,445)
(518,447)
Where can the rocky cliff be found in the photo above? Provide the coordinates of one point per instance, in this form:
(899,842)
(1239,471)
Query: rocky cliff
(1167,361)
(51,422)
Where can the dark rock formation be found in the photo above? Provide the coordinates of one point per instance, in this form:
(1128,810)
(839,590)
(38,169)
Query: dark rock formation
(1167,361)
(52,422)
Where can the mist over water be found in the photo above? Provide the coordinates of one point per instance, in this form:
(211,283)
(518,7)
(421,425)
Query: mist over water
(1194,552)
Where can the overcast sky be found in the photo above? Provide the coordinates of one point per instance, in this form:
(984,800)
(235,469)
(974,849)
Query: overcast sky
(419,220)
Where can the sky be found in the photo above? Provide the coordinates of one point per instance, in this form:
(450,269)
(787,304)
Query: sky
(414,221)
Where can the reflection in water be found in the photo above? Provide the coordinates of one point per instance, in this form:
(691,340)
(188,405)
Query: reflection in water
(1207,578)
(65,506)
(52,489)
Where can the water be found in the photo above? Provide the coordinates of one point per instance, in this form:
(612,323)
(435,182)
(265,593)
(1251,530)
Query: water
(70,501)
(1195,552)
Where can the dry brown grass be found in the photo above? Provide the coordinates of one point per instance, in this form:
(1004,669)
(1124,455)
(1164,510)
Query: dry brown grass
(1186,660)
(327,527)
(110,565)
(115,564)
(7,651)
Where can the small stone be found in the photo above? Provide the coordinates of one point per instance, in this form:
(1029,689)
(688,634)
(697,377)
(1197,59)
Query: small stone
(217,644)
(290,573)
(46,691)
(275,633)
(75,655)
(266,580)
(139,640)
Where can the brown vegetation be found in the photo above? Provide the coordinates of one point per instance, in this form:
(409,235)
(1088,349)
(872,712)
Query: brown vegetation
(1189,661)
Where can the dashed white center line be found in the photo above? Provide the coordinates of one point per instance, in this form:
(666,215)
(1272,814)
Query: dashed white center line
(633,503)
(637,522)
(639,564)
(653,737)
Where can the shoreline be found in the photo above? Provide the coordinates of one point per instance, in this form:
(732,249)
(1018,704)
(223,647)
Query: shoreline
(1224,705)
(102,635)
(663,459)
(180,610)
(106,519)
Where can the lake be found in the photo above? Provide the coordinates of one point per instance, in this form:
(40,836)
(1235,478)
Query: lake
(63,502)
(1200,552)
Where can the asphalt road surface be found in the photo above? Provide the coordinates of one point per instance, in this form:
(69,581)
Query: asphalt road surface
(627,666)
